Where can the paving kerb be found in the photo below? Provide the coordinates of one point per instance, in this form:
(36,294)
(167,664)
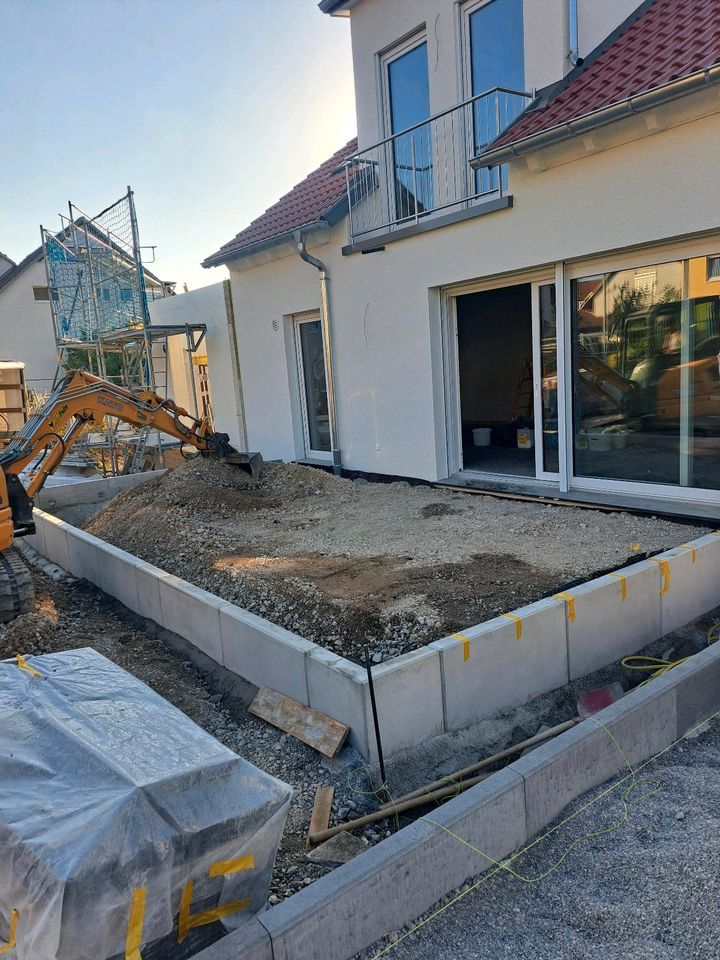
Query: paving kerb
(503,663)
(92,490)
(337,686)
(698,688)
(690,581)
(263,653)
(613,616)
(642,723)
(55,541)
(392,883)
(251,941)
(408,694)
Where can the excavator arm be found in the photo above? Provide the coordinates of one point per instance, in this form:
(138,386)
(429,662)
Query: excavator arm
(78,400)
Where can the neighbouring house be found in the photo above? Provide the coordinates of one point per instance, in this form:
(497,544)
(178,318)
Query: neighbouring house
(512,278)
(26,324)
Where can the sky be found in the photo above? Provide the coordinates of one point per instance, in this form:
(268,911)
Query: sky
(209,109)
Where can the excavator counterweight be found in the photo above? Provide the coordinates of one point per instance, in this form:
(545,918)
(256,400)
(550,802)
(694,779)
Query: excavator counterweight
(37,450)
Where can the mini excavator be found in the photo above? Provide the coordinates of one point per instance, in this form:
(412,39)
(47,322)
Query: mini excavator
(37,450)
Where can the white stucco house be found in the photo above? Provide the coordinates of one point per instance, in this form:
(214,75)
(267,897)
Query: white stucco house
(512,278)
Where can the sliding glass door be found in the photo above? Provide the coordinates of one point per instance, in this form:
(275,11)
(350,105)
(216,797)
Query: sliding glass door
(646,374)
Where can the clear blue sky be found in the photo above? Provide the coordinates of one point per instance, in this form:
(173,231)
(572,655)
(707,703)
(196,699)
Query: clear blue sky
(209,109)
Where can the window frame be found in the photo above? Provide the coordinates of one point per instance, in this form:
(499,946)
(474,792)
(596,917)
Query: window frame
(310,453)
(385,58)
(709,278)
(39,287)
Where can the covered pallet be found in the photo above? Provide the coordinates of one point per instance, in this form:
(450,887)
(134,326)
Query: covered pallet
(121,821)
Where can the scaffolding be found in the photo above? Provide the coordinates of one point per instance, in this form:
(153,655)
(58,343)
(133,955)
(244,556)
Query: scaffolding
(98,290)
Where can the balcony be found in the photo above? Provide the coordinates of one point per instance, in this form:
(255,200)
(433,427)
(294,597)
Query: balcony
(413,175)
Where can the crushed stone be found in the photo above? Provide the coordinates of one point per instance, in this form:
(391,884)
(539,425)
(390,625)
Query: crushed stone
(350,563)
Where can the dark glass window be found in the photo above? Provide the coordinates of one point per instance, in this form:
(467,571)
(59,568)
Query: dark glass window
(409,97)
(497,59)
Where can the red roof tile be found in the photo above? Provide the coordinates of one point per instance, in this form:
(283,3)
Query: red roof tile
(310,201)
(669,40)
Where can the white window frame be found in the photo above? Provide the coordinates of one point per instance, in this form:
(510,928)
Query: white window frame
(388,56)
(712,256)
(298,320)
(622,260)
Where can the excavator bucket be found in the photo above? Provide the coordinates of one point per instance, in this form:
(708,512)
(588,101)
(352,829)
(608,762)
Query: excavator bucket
(251,463)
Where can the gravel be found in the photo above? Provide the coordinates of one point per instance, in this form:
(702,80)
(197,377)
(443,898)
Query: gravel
(649,889)
(350,563)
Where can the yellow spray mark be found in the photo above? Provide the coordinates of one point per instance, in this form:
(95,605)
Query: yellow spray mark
(10,945)
(188,921)
(466,644)
(223,868)
(518,623)
(623,584)
(570,601)
(665,572)
(134,935)
(634,548)
(693,551)
(24,665)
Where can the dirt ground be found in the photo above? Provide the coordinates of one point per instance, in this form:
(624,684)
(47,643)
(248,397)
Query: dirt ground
(350,563)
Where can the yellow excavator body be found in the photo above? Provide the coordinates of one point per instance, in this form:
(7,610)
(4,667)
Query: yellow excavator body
(37,450)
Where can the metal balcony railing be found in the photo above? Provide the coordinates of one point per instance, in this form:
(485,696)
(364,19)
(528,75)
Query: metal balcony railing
(413,174)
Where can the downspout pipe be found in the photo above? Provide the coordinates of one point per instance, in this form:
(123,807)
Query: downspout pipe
(325,323)
(573,34)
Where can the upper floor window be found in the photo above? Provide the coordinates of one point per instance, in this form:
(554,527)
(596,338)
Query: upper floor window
(713,268)
(43,294)
(497,45)
(407,91)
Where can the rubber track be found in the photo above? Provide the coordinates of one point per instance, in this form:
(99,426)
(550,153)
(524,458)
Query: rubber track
(17,593)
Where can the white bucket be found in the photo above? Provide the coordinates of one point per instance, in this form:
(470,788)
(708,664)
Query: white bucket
(481,436)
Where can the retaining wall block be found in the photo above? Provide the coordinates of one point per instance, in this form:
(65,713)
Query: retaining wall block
(502,663)
(336,687)
(250,941)
(400,878)
(55,540)
(612,617)
(117,575)
(698,688)
(192,613)
(408,693)
(690,581)
(37,541)
(263,653)
(84,552)
(556,773)
(147,579)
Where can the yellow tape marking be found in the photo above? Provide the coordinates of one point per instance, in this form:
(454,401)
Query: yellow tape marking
(518,623)
(222,868)
(24,665)
(570,601)
(133,938)
(693,551)
(665,571)
(466,644)
(14,917)
(623,584)
(188,922)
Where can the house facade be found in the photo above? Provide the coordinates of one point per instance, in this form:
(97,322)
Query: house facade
(513,278)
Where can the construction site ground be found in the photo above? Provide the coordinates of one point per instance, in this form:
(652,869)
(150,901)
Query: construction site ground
(647,888)
(348,563)
(72,613)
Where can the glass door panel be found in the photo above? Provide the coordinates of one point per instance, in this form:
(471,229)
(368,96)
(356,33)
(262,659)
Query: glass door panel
(548,456)
(313,386)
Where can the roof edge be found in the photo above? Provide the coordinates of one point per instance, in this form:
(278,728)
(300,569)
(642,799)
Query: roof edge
(339,8)
(635,104)
(217,260)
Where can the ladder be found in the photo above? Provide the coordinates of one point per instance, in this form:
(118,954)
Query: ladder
(139,452)
(523,404)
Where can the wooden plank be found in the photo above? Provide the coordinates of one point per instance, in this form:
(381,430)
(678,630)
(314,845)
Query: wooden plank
(317,730)
(320,816)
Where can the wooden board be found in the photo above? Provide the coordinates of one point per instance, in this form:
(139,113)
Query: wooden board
(322,807)
(318,731)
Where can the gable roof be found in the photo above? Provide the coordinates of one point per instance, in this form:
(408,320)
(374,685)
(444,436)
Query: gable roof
(662,42)
(321,198)
(4,256)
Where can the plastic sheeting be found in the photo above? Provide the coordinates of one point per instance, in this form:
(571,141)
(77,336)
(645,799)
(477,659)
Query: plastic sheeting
(107,790)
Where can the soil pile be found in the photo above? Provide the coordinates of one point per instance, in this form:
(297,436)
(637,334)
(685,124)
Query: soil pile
(347,563)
